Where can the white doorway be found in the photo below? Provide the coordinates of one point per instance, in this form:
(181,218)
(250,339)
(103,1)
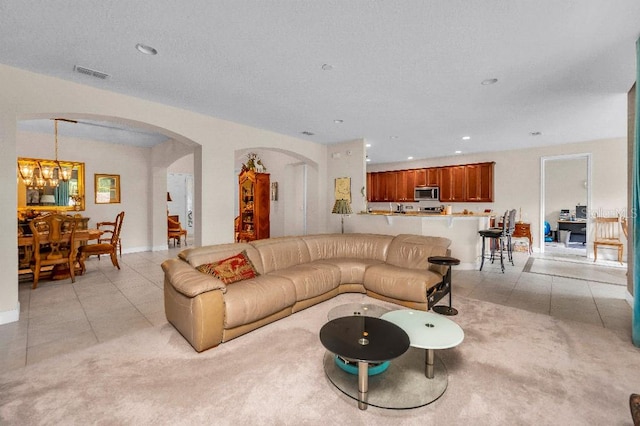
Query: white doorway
(180,186)
(564,204)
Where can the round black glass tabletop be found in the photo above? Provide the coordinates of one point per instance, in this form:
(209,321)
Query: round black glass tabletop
(363,338)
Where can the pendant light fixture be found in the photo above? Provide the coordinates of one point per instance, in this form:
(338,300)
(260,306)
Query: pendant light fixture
(38,174)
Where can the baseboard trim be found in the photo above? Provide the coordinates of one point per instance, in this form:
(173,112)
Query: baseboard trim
(10,316)
(629,298)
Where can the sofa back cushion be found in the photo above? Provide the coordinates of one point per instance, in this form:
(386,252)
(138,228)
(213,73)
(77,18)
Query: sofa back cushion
(412,251)
(281,253)
(200,255)
(348,246)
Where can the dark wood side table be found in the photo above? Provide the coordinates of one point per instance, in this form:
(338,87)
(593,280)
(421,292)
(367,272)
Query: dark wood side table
(523,230)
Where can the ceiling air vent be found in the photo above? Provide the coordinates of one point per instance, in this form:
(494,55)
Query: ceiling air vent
(90,72)
(307,133)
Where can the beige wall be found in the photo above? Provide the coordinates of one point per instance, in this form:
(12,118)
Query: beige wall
(346,160)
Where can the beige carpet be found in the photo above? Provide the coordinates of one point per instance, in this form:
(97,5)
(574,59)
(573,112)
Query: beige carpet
(513,368)
(579,270)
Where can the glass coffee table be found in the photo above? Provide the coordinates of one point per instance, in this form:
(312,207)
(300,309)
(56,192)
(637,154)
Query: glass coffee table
(360,339)
(403,385)
(427,331)
(357,309)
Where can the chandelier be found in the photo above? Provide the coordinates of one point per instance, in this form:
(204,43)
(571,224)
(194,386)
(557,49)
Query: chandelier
(39,173)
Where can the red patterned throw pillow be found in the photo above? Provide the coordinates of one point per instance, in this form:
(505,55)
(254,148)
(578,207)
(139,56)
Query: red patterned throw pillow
(232,269)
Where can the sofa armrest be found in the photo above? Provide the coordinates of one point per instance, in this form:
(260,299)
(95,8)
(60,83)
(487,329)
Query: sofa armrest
(189,281)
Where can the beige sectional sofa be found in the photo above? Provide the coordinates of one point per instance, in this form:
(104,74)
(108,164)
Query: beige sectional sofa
(295,273)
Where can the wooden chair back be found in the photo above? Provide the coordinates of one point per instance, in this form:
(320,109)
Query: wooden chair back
(53,243)
(111,232)
(607,229)
(607,234)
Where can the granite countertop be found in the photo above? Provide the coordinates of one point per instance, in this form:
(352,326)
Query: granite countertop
(423,214)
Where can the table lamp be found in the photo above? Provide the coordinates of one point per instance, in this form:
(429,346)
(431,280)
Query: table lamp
(342,207)
(48,200)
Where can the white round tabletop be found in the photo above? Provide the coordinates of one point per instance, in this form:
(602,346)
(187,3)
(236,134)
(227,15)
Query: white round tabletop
(427,330)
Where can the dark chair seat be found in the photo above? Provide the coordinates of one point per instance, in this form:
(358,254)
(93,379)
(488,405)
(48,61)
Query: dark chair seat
(500,237)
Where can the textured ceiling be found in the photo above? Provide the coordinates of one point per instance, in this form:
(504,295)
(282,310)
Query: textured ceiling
(406,75)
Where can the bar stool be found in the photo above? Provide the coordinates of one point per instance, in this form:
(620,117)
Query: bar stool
(497,235)
(449,262)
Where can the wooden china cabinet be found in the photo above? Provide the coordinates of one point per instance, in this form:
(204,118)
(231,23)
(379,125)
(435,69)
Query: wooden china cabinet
(254,194)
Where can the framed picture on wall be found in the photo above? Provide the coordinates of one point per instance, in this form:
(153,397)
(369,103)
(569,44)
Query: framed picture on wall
(107,189)
(343,189)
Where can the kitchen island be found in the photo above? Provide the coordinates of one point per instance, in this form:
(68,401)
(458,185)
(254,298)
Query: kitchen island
(461,229)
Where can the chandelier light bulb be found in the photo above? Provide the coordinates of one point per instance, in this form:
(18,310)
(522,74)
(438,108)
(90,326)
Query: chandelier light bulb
(65,173)
(46,172)
(26,170)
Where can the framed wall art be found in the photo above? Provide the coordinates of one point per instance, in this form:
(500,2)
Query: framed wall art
(343,189)
(107,189)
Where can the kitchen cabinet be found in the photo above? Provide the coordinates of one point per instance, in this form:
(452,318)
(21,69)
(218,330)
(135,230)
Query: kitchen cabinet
(254,193)
(405,185)
(390,182)
(479,182)
(458,183)
(432,175)
(452,183)
(420,176)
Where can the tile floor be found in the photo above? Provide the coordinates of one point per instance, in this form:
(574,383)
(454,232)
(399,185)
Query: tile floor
(60,317)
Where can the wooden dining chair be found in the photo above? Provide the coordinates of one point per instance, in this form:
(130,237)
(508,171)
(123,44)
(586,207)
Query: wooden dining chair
(607,234)
(175,231)
(53,244)
(109,247)
(107,230)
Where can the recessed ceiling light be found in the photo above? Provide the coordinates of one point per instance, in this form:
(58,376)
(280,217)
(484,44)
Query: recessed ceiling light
(466,138)
(458,152)
(338,121)
(393,137)
(147,50)
(489,81)
(535,133)
(327,67)
(368,145)
(368,159)
(409,158)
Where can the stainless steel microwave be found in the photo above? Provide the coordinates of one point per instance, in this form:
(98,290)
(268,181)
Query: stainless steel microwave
(426,193)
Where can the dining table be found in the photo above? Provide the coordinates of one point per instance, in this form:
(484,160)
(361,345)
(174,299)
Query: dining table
(25,248)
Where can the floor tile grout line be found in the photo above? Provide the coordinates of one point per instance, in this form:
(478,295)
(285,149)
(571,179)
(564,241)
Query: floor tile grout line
(596,305)
(85,314)
(128,300)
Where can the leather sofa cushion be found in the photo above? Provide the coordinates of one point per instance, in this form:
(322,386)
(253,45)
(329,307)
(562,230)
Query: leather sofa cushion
(188,281)
(251,300)
(208,254)
(311,279)
(358,246)
(412,251)
(400,283)
(351,270)
(281,253)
